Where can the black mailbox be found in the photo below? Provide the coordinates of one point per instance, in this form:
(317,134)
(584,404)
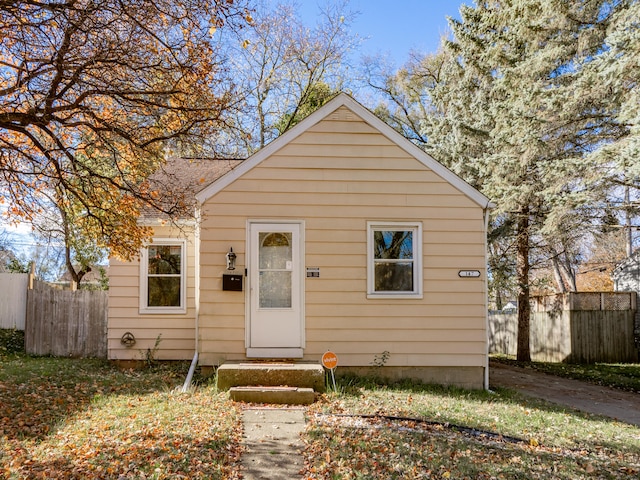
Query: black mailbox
(232,283)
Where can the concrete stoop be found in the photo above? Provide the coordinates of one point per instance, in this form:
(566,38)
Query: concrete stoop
(277,395)
(278,383)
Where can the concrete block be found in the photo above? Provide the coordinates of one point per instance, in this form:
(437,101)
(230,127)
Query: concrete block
(278,395)
(302,375)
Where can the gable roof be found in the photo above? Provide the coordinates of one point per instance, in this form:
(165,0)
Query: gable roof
(180,179)
(344,100)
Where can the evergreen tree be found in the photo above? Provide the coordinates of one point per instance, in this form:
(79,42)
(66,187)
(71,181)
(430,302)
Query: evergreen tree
(518,88)
(534,102)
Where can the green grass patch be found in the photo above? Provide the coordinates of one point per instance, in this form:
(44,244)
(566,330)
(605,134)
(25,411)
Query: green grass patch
(64,418)
(555,443)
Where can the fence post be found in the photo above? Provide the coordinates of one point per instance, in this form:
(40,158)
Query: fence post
(32,274)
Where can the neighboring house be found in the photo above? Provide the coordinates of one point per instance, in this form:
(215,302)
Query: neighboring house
(347,238)
(510,307)
(626,275)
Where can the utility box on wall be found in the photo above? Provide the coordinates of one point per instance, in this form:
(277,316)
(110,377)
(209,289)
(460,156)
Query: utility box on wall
(232,283)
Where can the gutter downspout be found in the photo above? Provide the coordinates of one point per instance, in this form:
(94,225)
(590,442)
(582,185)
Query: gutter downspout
(485,212)
(194,362)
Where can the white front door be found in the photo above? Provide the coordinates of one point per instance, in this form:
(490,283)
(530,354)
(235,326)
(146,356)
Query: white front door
(275,324)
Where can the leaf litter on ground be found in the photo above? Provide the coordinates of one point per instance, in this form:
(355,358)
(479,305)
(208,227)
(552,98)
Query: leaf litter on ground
(412,432)
(62,418)
(81,419)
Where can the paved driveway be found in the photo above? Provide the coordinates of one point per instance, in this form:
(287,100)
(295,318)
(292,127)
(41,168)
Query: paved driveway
(587,397)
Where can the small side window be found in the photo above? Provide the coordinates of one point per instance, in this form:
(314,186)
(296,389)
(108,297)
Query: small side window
(394,260)
(163,277)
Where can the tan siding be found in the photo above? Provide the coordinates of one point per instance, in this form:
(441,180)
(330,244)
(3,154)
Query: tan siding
(396,335)
(177,331)
(342,140)
(389,152)
(282,209)
(389,312)
(400,360)
(403,347)
(294,172)
(341,320)
(338,126)
(335,177)
(349,186)
(450,202)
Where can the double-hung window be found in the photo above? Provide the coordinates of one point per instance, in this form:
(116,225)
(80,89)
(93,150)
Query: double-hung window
(394,260)
(163,277)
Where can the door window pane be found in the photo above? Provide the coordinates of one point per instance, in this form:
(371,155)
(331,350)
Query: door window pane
(275,250)
(275,264)
(275,289)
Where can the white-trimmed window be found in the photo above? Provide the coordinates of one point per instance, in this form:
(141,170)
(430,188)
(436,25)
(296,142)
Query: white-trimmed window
(394,259)
(163,283)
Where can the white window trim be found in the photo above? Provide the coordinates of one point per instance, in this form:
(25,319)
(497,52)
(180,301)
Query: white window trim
(417,261)
(144,269)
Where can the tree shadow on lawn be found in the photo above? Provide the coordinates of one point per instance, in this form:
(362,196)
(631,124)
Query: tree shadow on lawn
(376,448)
(62,418)
(521,435)
(500,411)
(39,393)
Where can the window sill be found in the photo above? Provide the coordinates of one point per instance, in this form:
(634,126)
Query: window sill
(163,311)
(374,296)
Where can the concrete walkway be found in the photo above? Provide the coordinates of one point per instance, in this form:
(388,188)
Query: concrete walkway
(587,397)
(272,443)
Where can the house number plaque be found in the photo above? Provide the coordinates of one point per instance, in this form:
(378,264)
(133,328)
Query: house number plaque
(313,272)
(469,273)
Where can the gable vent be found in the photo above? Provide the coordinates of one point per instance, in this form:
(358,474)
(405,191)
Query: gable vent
(343,114)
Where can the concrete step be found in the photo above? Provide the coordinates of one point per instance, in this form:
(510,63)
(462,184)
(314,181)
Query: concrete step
(271,374)
(277,395)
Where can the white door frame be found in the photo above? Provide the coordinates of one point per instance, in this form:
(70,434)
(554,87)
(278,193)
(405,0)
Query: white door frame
(262,351)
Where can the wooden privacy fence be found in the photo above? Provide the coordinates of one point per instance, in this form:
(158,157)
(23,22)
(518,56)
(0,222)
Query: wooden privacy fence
(575,327)
(66,323)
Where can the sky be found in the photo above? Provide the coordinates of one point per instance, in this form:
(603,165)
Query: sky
(395,27)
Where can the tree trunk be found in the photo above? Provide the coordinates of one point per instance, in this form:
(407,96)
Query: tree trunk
(499,302)
(627,222)
(561,287)
(522,272)
(569,275)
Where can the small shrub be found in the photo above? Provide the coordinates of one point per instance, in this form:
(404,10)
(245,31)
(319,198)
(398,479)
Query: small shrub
(11,341)
(381,360)
(149,356)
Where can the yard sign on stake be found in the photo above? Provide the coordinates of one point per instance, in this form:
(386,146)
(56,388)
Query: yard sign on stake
(330,361)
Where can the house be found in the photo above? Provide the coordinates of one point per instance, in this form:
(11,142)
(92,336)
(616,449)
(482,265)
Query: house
(510,307)
(626,275)
(340,235)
